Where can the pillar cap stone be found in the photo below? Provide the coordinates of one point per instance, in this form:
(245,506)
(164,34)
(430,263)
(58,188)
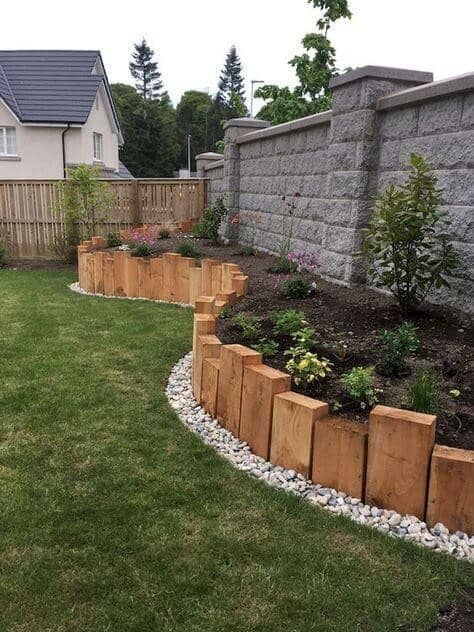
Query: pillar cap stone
(246,122)
(209,155)
(382,72)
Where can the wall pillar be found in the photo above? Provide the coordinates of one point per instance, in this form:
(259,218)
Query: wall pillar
(206,159)
(353,153)
(231,185)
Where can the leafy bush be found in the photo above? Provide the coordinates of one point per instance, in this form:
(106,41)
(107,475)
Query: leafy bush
(405,247)
(359,383)
(188,250)
(423,392)
(283,266)
(164,233)
(287,321)
(250,325)
(143,249)
(83,202)
(246,251)
(296,287)
(113,240)
(305,337)
(306,367)
(3,255)
(268,348)
(396,346)
(225,312)
(208,225)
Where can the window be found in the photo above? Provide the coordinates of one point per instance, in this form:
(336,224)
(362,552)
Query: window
(7,141)
(98,146)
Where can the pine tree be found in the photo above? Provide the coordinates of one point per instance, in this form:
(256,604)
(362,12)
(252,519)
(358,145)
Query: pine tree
(231,81)
(145,71)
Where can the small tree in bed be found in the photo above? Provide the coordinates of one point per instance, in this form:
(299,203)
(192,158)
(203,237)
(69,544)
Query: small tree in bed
(405,246)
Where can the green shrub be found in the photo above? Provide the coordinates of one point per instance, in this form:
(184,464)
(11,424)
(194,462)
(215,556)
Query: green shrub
(142,250)
(305,337)
(208,225)
(306,367)
(113,240)
(246,251)
(3,255)
(250,325)
(359,383)
(405,246)
(296,287)
(283,266)
(268,348)
(164,233)
(225,312)
(396,346)
(423,392)
(188,249)
(287,321)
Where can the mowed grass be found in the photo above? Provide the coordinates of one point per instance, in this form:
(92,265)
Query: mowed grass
(114,517)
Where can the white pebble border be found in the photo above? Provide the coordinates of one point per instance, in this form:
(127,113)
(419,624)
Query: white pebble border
(76,288)
(408,527)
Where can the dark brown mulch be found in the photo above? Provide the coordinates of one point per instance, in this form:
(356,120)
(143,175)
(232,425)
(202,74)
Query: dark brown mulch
(357,315)
(40,264)
(457,618)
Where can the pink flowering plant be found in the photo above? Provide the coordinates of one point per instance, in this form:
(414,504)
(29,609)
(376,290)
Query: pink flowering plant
(143,243)
(305,262)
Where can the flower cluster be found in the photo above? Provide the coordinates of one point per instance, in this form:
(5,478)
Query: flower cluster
(305,262)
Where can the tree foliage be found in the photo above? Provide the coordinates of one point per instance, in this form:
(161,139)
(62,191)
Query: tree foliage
(231,81)
(406,247)
(144,69)
(314,68)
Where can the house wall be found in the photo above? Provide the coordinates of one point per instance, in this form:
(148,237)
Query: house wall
(330,167)
(40,148)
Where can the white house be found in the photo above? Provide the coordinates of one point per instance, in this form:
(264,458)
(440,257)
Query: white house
(56,111)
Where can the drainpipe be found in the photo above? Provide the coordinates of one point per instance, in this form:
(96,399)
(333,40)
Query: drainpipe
(65,131)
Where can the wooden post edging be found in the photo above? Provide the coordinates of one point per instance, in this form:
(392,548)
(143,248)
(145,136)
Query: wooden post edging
(391,462)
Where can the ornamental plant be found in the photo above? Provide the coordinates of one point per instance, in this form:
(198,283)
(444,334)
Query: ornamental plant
(359,384)
(113,240)
(423,392)
(296,287)
(267,347)
(305,338)
(188,249)
(305,262)
(287,322)
(306,367)
(396,345)
(250,326)
(208,225)
(406,247)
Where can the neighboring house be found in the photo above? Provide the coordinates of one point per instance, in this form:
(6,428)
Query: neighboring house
(56,111)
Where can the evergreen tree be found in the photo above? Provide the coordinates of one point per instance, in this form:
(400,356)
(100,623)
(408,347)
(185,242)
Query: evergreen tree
(231,81)
(145,71)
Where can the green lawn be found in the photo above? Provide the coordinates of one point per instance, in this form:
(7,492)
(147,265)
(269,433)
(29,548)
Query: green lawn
(114,517)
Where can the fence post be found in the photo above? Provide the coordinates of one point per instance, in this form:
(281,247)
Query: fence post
(234,128)
(135,203)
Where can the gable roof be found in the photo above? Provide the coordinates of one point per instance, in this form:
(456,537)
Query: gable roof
(52,86)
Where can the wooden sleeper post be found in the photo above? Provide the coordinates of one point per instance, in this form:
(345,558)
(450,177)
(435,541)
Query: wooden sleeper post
(209,385)
(120,271)
(144,278)
(208,346)
(206,270)
(340,455)
(260,385)
(400,447)
(451,490)
(184,265)
(109,286)
(131,277)
(170,276)
(156,279)
(294,416)
(204,324)
(229,395)
(205,305)
(195,284)
(240,283)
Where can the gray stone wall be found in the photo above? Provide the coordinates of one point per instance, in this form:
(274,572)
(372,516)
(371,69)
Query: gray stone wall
(330,166)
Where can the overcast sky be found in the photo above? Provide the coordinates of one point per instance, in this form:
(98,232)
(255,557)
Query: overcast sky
(191,38)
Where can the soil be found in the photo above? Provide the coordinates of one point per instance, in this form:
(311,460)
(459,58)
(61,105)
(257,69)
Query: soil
(40,264)
(457,618)
(355,315)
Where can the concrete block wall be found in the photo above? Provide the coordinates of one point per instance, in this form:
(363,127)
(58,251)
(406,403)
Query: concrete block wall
(331,165)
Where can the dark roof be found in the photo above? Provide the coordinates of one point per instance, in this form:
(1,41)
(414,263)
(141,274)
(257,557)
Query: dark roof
(124,172)
(51,86)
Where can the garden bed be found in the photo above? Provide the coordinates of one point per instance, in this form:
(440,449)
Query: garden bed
(357,315)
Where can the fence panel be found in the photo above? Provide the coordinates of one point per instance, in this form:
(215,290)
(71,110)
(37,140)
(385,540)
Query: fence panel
(29,224)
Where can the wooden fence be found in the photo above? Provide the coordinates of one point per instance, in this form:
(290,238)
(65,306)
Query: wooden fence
(29,224)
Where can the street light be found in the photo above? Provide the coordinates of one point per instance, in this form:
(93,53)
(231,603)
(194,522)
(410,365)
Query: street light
(189,155)
(253,82)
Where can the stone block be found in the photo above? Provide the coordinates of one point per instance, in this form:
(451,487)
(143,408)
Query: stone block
(399,123)
(292,430)
(451,491)
(441,115)
(349,184)
(400,447)
(458,186)
(340,455)
(358,125)
(347,97)
(342,156)
(260,385)
(339,239)
(229,395)
(467,120)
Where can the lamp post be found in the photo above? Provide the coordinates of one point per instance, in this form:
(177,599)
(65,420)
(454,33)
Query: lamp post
(253,82)
(189,155)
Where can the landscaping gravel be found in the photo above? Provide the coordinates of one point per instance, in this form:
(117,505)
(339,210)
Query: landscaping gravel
(75,287)
(438,538)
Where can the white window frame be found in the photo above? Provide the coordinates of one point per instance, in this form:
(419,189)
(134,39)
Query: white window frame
(4,144)
(98,138)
